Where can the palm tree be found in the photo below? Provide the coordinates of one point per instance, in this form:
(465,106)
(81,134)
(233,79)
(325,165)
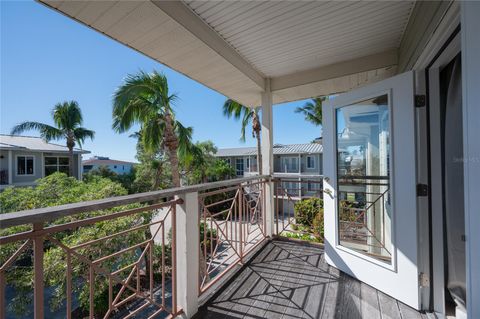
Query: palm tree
(238,111)
(144,99)
(312,110)
(68,119)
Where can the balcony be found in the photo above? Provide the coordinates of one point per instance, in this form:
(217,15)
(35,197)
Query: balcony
(211,251)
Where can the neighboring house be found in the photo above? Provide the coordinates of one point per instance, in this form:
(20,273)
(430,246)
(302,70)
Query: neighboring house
(295,164)
(24,159)
(118,167)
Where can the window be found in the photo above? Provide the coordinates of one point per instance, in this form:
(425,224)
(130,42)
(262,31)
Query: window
(25,165)
(239,166)
(290,164)
(247,166)
(312,186)
(56,164)
(310,162)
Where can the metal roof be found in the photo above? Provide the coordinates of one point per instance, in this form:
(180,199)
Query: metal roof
(101,162)
(278,149)
(32,143)
(238,151)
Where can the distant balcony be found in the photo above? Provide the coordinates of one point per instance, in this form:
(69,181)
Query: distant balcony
(205,249)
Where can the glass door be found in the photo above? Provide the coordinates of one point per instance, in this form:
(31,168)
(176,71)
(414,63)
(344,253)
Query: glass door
(369,186)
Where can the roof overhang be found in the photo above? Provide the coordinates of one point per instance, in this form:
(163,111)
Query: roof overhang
(300,49)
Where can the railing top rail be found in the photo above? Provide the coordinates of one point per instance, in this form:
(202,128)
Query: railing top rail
(40,215)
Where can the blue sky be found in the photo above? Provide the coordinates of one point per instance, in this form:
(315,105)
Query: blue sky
(47,58)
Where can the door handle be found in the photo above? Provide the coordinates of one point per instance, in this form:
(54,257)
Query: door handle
(326,178)
(328,191)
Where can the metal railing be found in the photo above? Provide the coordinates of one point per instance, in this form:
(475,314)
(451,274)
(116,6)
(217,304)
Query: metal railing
(288,192)
(363,202)
(128,265)
(232,223)
(123,260)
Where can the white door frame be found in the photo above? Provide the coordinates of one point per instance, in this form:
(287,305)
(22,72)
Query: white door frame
(470,22)
(399,280)
(436,180)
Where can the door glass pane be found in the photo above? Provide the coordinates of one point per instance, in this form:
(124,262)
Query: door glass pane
(363,174)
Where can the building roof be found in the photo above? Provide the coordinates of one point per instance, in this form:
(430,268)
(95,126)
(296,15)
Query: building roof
(238,151)
(278,149)
(105,161)
(33,143)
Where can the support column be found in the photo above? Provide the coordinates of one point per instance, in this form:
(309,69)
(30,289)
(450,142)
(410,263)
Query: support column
(80,167)
(187,253)
(267,155)
(10,168)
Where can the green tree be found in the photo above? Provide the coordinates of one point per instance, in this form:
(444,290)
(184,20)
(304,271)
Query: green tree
(144,99)
(58,189)
(126,179)
(246,114)
(68,119)
(312,110)
(202,166)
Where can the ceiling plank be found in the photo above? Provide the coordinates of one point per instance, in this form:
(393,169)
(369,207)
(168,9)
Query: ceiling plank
(336,70)
(191,22)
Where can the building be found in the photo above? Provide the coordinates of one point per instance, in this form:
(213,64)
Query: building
(118,167)
(24,159)
(405,114)
(298,165)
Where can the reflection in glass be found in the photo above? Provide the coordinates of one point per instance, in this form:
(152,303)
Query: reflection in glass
(363,170)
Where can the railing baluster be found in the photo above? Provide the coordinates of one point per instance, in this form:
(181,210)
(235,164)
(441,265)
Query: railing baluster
(38,272)
(69,287)
(3,304)
(91,281)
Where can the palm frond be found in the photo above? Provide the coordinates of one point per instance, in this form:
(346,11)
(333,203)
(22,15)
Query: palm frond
(46,131)
(81,134)
(185,145)
(139,98)
(67,115)
(312,110)
(153,133)
(238,111)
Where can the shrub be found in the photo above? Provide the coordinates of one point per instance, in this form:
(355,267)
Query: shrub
(318,225)
(307,209)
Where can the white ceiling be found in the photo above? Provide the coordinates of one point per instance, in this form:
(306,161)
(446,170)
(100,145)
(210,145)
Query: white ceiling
(305,48)
(284,37)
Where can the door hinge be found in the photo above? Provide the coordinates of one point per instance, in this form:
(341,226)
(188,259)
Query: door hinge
(424,280)
(422,190)
(420,100)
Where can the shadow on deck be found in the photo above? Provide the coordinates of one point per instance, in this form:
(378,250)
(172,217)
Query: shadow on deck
(291,280)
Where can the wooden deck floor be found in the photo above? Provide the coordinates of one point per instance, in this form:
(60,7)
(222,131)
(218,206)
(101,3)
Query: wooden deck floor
(290,280)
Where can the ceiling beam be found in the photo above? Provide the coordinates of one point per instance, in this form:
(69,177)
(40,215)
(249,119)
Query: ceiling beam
(179,12)
(336,70)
